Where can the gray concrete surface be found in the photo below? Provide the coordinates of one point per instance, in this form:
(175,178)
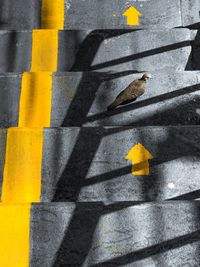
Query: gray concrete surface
(20,14)
(88,164)
(95,14)
(190,13)
(90,14)
(10,89)
(162,234)
(104,50)
(171,98)
(144,50)
(15,51)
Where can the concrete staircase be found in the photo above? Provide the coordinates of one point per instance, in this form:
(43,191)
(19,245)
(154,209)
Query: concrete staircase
(68,195)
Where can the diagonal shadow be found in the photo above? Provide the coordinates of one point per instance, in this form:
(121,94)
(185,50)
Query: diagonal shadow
(89,47)
(74,174)
(188,196)
(11,55)
(185,113)
(195,54)
(143,103)
(85,95)
(82,100)
(152,250)
(78,237)
(87,51)
(148,53)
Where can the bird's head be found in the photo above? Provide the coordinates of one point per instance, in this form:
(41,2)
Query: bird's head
(146,76)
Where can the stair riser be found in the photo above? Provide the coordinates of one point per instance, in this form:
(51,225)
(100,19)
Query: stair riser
(100,50)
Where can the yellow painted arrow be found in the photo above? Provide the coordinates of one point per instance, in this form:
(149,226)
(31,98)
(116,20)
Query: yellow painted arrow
(132,15)
(140,157)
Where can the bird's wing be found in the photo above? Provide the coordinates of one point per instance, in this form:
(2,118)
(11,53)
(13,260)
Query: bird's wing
(137,88)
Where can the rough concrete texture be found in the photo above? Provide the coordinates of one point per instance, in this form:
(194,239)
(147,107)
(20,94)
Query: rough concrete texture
(99,14)
(144,50)
(171,98)
(87,14)
(190,13)
(20,14)
(10,89)
(88,164)
(105,50)
(15,51)
(162,234)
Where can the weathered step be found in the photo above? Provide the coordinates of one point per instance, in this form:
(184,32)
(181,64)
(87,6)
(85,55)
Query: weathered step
(91,234)
(171,98)
(88,164)
(52,50)
(95,14)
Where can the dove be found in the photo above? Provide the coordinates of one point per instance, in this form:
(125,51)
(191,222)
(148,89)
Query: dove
(132,92)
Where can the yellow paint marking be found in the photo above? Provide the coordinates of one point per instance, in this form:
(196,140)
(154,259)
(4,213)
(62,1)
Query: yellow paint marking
(53,14)
(23,165)
(35,100)
(44,50)
(140,157)
(132,15)
(14,235)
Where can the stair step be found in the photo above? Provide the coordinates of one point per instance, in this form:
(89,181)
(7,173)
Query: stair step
(171,98)
(87,14)
(88,164)
(98,50)
(124,234)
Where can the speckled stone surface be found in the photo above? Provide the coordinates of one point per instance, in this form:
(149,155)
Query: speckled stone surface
(87,14)
(88,164)
(125,234)
(102,50)
(171,98)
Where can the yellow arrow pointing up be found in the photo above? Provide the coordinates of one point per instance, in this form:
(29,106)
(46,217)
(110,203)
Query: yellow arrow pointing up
(132,15)
(140,157)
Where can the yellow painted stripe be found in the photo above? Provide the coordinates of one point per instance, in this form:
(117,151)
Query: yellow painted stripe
(23,165)
(44,50)
(53,13)
(35,100)
(14,235)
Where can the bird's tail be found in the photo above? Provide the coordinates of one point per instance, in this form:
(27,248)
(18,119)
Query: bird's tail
(112,106)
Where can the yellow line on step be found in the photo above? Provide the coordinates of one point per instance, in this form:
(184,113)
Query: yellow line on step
(14,235)
(44,50)
(23,165)
(53,13)
(35,100)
